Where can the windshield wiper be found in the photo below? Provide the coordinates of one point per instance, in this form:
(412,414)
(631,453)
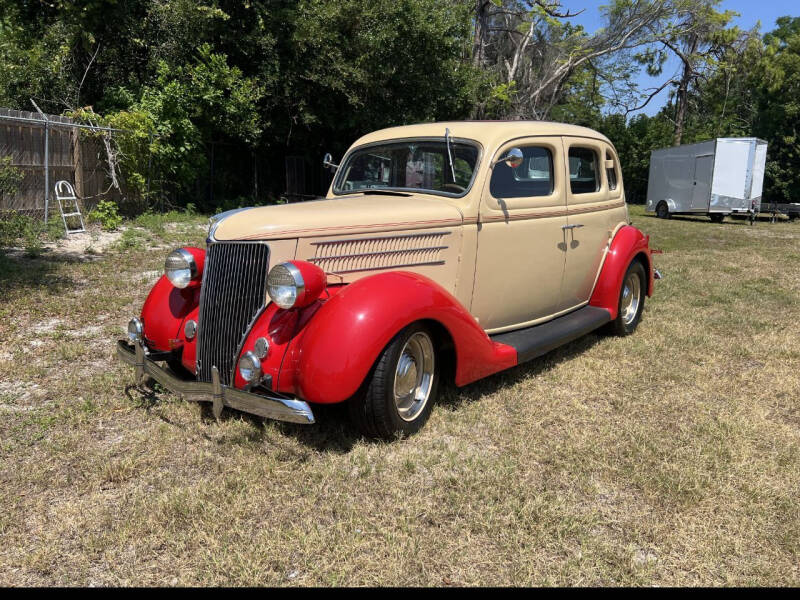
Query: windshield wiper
(449,154)
(384,192)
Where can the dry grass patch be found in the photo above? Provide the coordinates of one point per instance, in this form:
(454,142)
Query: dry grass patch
(668,457)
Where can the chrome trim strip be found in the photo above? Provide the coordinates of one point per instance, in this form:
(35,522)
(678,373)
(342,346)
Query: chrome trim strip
(380,238)
(385,267)
(269,406)
(381,253)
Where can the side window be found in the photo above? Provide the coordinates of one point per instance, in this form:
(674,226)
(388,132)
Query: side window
(533,177)
(611,172)
(583,173)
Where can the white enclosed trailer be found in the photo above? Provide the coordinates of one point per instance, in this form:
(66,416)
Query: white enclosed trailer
(715,178)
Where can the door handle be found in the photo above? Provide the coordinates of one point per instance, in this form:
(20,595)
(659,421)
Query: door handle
(575,226)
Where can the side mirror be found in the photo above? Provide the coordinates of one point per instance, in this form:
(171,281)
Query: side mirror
(327,161)
(513,159)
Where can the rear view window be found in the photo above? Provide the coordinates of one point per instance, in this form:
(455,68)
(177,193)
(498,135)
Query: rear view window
(583,174)
(611,173)
(534,177)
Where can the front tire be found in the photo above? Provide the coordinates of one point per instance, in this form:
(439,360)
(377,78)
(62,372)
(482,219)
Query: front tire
(716,217)
(631,300)
(401,388)
(662,210)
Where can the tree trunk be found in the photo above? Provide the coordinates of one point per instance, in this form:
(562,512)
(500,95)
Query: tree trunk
(682,98)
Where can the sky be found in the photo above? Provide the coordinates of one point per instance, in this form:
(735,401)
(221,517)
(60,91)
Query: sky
(750,12)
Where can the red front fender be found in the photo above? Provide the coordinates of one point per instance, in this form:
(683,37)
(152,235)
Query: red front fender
(336,350)
(626,245)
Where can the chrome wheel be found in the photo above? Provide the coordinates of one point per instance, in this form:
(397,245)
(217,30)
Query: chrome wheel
(414,375)
(631,298)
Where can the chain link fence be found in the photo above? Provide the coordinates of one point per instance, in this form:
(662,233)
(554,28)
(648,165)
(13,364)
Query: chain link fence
(37,150)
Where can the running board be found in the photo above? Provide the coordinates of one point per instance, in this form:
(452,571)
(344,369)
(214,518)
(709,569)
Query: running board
(532,342)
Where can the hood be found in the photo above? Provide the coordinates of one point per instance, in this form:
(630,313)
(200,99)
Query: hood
(342,215)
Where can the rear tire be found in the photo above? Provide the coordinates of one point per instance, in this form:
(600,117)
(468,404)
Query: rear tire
(716,217)
(662,210)
(400,391)
(631,300)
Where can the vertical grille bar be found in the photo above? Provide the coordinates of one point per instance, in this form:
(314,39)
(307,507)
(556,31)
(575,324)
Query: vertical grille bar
(234,293)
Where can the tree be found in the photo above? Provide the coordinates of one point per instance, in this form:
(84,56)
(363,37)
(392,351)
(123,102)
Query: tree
(698,36)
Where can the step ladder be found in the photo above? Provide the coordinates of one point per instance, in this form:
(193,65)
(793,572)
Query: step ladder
(68,201)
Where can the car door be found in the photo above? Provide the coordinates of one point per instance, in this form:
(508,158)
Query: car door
(588,226)
(520,257)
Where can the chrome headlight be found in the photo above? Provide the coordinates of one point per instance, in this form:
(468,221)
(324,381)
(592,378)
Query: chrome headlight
(135,330)
(285,285)
(180,267)
(249,367)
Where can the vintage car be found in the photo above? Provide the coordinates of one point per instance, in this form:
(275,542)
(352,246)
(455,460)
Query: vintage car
(441,250)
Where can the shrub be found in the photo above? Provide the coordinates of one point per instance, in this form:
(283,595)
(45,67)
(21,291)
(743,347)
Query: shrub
(107,215)
(16,228)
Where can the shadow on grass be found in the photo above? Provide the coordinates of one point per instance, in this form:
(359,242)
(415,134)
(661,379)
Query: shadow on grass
(334,433)
(452,398)
(704,220)
(20,271)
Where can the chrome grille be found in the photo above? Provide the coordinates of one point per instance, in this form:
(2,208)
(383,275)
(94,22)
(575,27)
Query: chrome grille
(234,293)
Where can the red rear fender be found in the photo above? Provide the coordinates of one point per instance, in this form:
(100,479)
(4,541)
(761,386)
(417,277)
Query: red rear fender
(628,244)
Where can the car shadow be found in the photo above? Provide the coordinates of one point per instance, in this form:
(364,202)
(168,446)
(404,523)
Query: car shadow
(334,433)
(452,398)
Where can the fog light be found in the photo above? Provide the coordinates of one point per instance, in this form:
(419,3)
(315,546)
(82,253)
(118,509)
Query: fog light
(250,367)
(190,329)
(135,329)
(261,347)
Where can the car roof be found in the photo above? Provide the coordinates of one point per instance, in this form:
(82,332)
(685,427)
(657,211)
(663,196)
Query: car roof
(488,133)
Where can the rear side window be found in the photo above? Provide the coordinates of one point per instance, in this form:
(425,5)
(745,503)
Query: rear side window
(534,177)
(611,173)
(583,172)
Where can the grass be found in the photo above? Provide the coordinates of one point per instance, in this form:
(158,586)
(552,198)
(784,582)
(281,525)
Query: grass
(670,457)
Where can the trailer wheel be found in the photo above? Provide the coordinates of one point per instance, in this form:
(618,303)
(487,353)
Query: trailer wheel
(793,216)
(662,210)
(716,217)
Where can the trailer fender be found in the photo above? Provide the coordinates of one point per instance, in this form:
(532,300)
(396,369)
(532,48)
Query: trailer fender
(628,244)
(337,349)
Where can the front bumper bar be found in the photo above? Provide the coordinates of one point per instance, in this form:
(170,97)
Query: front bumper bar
(271,407)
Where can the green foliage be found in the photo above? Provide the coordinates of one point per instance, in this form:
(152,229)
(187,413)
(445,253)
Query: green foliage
(212,95)
(10,177)
(18,229)
(107,215)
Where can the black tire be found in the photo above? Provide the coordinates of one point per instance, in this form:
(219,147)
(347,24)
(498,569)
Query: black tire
(793,216)
(716,217)
(374,410)
(625,323)
(662,210)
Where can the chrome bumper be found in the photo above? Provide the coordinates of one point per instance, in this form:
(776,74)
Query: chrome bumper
(271,407)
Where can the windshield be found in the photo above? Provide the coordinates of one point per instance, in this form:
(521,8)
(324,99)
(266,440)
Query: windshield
(409,165)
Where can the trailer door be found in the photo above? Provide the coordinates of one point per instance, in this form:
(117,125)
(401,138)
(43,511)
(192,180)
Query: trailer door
(701,194)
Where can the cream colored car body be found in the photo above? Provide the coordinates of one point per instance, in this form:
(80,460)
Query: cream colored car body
(512,262)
